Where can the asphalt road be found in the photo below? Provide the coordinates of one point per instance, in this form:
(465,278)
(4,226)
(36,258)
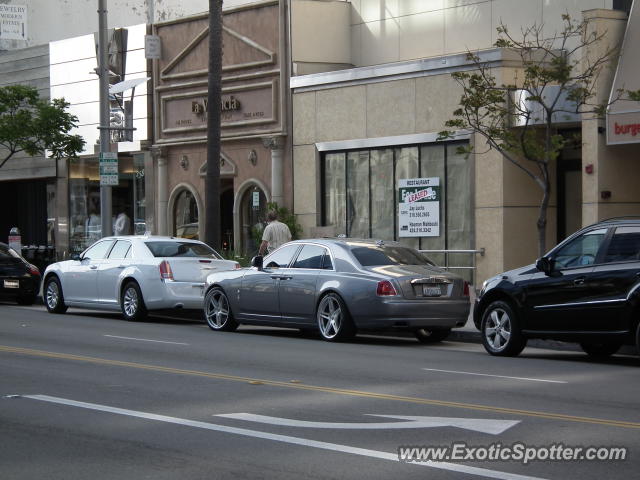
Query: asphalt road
(88,395)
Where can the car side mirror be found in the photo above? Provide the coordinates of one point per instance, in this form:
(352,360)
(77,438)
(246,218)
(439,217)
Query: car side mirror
(545,264)
(257,262)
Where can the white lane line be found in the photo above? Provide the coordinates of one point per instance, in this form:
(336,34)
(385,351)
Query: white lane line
(145,340)
(493,427)
(453,467)
(497,376)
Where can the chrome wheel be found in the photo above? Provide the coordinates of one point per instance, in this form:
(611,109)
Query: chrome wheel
(501,334)
(217,311)
(333,319)
(498,329)
(52,295)
(130,302)
(329,317)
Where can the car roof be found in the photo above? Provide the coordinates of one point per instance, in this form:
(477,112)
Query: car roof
(155,238)
(348,241)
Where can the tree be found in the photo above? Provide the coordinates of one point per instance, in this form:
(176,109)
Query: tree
(33,125)
(212,180)
(558,79)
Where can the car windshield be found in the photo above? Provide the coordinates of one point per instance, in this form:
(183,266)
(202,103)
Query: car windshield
(375,256)
(181,249)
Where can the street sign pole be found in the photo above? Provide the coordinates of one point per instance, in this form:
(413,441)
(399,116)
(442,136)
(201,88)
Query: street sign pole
(103,73)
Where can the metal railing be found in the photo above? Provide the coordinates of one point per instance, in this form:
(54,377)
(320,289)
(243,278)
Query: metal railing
(446,265)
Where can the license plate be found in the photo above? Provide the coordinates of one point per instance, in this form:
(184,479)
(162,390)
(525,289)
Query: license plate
(431,291)
(11,284)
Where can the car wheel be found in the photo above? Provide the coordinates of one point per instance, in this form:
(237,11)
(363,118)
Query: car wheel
(132,303)
(217,311)
(334,321)
(638,338)
(500,329)
(26,299)
(600,349)
(426,335)
(53,297)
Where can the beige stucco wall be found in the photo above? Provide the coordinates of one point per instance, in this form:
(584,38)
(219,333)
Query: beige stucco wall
(320,36)
(616,167)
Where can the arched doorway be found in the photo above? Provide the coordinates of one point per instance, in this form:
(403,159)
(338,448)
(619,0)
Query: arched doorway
(226,217)
(185,215)
(253,211)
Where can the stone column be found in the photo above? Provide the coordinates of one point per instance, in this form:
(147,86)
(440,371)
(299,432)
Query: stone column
(160,156)
(275,144)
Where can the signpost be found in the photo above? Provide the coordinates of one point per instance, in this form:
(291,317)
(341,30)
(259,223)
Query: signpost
(419,207)
(109,169)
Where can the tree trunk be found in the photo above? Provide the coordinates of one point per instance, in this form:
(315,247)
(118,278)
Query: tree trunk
(542,220)
(212,180)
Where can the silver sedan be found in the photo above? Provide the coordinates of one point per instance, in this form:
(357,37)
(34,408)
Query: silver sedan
(133,274)
(339,287)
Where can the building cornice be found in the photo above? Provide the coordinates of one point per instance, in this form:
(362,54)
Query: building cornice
(401,70)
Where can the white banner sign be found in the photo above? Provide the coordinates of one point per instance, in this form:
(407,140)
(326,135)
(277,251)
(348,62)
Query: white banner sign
(13,22)
(419,207)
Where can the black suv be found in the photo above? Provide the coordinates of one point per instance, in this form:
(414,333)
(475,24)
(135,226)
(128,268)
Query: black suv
(585,290)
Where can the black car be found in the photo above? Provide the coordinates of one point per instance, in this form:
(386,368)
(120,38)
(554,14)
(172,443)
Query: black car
(585,290)
(19,280)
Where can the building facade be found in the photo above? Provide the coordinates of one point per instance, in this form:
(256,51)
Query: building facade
(255,164)
(370,130)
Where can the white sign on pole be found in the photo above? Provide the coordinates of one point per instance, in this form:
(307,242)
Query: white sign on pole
(419,207)
(13,22)
(109,169)
(152,47)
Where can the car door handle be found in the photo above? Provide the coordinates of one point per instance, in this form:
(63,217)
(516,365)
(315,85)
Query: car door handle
(93,267)
(122,266)
(286,278)
(276,277)
(579,281)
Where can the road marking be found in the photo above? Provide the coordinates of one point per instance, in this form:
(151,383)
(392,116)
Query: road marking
(145,340)
(305,442)
(316,388)
(497,376)
(493,427)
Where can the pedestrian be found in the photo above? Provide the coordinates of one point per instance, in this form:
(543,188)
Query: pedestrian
(122,225)
(275,234)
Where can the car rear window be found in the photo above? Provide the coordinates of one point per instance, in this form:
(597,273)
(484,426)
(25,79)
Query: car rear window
(181,249)
(6,252)
(375,256)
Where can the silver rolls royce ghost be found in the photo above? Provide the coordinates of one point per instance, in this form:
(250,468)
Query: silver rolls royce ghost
(340,286)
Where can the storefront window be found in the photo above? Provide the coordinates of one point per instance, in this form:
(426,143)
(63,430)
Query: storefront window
(360,194)
(127,199)
(185,213)
(253,211)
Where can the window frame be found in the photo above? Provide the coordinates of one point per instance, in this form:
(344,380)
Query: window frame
(604,245)
(611,236)
(108,257)
(326,250)
(395,149)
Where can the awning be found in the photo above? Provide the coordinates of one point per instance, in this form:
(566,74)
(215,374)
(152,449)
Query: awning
(623,117)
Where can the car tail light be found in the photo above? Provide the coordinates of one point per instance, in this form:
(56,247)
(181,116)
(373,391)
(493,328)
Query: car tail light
(34,270)
(238,266)
(386,289)
(165,271)
(466,289)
